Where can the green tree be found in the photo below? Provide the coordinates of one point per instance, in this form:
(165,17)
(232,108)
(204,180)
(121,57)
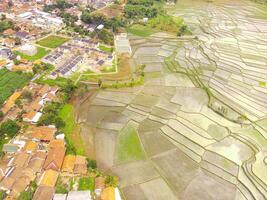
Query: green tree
(111,181)
(91,164)
(26,94)
(1,115)
(10,128)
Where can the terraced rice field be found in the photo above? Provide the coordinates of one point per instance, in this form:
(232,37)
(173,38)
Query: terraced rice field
(200,118)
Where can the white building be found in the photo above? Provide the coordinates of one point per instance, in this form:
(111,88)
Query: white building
(28,49)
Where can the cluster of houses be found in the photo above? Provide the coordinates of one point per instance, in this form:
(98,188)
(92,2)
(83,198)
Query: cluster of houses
(40,19)
(32,107)
(78,54)
(38,154)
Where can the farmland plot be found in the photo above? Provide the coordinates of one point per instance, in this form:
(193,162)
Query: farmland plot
(199,120)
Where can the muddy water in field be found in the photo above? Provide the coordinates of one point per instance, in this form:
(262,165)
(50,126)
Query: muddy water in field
(191,152)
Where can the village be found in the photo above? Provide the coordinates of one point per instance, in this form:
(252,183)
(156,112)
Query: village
(38,160)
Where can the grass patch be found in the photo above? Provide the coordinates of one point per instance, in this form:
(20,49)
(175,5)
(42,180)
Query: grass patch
(129,146)
(141,30)
(165,23)
(59,81)
(67,114)
(10,81)
(71,130)
(105,48)
(86,183)
(52,41)
(41,52)
(262,84)
(61,188)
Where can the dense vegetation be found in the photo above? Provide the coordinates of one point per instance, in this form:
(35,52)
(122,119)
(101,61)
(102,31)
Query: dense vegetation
(5,24)
(8,130)
(143,8)
(59,4)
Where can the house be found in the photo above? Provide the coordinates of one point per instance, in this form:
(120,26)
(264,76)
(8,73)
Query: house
(30,147)
(7,183)
(10,148)
(54,144)
(9,32)
(5,53)
(49,178)
(37,160)
(32,116)
(99,185)
(78,195)
(9,42)
(41,133)
(19,186)
(3,168)
(44,193)
(111,193)
(80,165)
(68,164)
(21,159)
(60,197)
(54,159)
(23,35)
(10,102)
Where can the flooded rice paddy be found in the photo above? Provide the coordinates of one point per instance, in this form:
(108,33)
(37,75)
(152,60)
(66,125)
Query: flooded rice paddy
(197,128)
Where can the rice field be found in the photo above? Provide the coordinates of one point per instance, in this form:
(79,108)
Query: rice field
(198,127)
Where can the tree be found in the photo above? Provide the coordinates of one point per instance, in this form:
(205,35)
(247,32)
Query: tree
(10,128)
(91,164)
(59,123)
(68,89)
(18,103)
(17,41)
(106,36)
(1,115)
(26,95)
(3,17)
(111,181)
(114,23)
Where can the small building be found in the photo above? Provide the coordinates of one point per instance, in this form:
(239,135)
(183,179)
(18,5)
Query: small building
(6,53)
(78,195)
(10,148)
(80,165)
(111,193)
(60,197)
(36,162)
(9,32)
(68,164)
(10,102)
(9,42)
(31,147)
(23,35)
(28,49)
(44,193)
(21,159)
(41,133)
(99,185)
(49,178)
(54,159)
